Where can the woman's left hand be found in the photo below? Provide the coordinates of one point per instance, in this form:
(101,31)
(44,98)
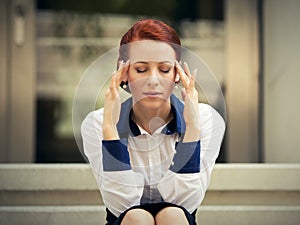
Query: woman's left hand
(112,103)
(190,97)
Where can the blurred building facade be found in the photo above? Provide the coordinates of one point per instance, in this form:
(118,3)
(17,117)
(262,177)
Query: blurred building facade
(252,49)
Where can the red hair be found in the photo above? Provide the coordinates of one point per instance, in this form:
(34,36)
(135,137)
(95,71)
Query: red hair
(150,29)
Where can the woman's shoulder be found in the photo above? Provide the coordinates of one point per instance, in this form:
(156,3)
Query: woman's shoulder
(95,115)
(209,112)
(205,108)
(93,118)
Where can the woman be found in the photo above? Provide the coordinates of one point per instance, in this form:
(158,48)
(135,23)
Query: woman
(152,155)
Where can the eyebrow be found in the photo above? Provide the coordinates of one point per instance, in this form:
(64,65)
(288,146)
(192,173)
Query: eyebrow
(162,62)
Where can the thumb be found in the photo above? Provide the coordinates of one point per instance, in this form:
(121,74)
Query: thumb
(183,93)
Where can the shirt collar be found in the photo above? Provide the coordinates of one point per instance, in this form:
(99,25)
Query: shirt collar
(126,126)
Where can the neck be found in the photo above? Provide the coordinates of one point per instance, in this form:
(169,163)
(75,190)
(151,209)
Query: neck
(150,120)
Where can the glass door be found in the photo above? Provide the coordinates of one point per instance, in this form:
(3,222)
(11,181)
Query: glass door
(70,35)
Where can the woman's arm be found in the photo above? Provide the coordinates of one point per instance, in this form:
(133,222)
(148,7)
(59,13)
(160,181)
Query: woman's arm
(188,178)
(120,187)
(108,155)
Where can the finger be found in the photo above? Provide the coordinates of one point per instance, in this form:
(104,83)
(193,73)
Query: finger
(183,93)
(187,69)
(113,83)
(184,78)
(120,64)
(193,78)
(124,72)
(119,72)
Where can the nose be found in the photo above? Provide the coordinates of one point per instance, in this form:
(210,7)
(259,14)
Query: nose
(153,79)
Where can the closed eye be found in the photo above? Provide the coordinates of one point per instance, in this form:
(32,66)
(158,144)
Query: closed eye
(140,70)
(165,68)
(165,71)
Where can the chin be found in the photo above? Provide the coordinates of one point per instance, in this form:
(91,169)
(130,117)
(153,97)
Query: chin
(152,103)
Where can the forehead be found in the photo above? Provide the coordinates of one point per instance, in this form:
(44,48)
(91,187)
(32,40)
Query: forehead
(149,50)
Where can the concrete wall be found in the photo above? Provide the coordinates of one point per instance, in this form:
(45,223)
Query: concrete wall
(281,80)
(241,81)
(17,80)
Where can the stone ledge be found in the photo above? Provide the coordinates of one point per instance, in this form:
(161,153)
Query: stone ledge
(250,177)
(43,177)
(74,184)
(79,215)
(228,177)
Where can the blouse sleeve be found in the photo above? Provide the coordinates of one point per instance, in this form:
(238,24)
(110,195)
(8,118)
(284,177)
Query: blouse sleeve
(186,183)
(120,187)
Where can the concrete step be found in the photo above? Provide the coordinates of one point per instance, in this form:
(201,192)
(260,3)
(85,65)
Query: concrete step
(74,184)
(225,177)
(95,215)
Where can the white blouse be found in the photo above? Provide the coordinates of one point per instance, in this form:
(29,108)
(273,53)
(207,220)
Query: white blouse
(148,168)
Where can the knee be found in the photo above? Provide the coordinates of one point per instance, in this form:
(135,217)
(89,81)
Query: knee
(170,214)
(138,216)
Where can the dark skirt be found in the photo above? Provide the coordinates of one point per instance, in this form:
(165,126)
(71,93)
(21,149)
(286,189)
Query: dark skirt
(154,208)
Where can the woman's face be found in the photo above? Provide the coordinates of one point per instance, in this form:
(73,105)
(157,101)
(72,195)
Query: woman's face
(151,75)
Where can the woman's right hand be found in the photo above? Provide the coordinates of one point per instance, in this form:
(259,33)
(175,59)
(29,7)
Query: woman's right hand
(191,107)
(112,103)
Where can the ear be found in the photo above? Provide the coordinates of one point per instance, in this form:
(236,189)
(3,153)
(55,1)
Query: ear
(124,84)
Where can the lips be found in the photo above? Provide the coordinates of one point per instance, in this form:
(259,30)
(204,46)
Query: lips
(152,93)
